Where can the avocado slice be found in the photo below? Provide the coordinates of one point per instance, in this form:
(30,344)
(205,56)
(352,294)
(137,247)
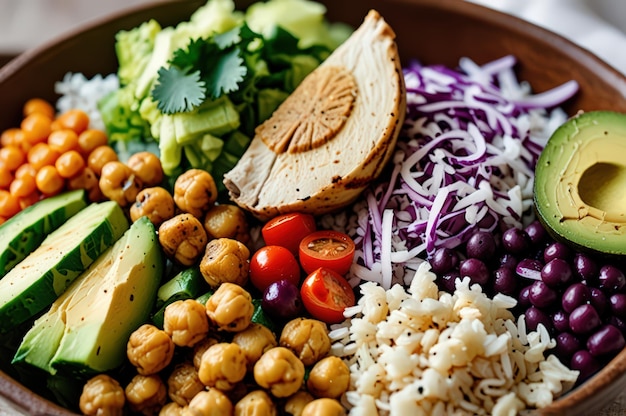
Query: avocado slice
(86,329)
(25,231)
(580,183)
(35,282)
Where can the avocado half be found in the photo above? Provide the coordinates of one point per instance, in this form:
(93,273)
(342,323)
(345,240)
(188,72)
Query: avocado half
(580,183)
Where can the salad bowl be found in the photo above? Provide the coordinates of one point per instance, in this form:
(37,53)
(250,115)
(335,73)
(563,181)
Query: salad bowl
(432,31)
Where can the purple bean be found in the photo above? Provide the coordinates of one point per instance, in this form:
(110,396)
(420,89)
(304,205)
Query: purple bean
(611,279)
(584,319)
(281,299)
(606,340)
(556,251)
(585,267)
(481,245)
(444,260)
(560,321)
(556,273)
(541,295)
(566,345)
(535,316)
(575,295)
(587,364)
(618,304)
(505,281)
(536,233)
(515,241)
(476,270)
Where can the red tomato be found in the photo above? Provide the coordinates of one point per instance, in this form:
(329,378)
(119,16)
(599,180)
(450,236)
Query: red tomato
(327,248)
(325,294)
(288,229)
(273,263)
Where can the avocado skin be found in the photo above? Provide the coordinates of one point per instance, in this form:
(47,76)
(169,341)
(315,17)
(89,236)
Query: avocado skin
(114,296)
(573,192)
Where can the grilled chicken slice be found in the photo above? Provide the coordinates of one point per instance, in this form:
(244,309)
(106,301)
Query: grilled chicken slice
(332,136)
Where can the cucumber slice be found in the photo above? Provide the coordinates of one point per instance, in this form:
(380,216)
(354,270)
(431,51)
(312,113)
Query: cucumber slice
(25,231)
(35,282)
(187,284)
(87,327)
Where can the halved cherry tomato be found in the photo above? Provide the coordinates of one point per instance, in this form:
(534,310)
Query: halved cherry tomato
(288,230)
(270,264)
(327,248)
(325,295)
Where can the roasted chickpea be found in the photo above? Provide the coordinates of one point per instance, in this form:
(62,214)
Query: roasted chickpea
(119,183)
(90,139)
(38,105)
(280,371)
(186,322)
(254,341)
(329,377)
(195,192)
(99,157)
(63,140)
(149,349)
(146,394)
(225,260)
(223,365)
(88,181)
(184,383)
(209,403)
(200,348)
(255,403)
(183,238)
(69,164)
(102,395)
(171,409)
(156,203)
(227,221)
(74,119)
(296,402)
(230,308)
(323,407)
(307,338)
(147,167)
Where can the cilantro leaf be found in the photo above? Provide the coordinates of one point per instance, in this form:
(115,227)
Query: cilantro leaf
(225,74)
(177,91)
(197,50)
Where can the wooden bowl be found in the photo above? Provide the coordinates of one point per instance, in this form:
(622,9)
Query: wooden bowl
(433,31)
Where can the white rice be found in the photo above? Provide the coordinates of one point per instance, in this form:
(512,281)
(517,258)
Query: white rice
(77,91)
(418,351)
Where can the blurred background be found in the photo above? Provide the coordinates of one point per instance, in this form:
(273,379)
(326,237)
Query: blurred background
(27,23)
(597,25)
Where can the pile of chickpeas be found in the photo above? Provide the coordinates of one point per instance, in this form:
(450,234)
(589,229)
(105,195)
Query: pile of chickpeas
(48,154)
(226,365)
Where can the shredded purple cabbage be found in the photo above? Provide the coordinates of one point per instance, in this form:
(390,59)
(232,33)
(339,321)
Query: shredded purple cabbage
(465,161)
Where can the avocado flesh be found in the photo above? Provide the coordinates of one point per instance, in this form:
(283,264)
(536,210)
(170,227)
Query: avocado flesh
(86,330)
(580,183)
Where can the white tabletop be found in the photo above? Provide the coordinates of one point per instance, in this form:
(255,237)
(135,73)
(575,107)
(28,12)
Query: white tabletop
(597,25)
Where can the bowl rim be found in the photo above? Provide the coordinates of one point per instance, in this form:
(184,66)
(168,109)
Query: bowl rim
(614,370)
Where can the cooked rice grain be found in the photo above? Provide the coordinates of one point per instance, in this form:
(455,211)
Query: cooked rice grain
(424,352)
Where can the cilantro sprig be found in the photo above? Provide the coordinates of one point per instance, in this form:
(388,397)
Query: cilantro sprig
(205,69)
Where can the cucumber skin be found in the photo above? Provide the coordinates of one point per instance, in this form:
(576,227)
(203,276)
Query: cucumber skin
(45,290)
(32,236)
